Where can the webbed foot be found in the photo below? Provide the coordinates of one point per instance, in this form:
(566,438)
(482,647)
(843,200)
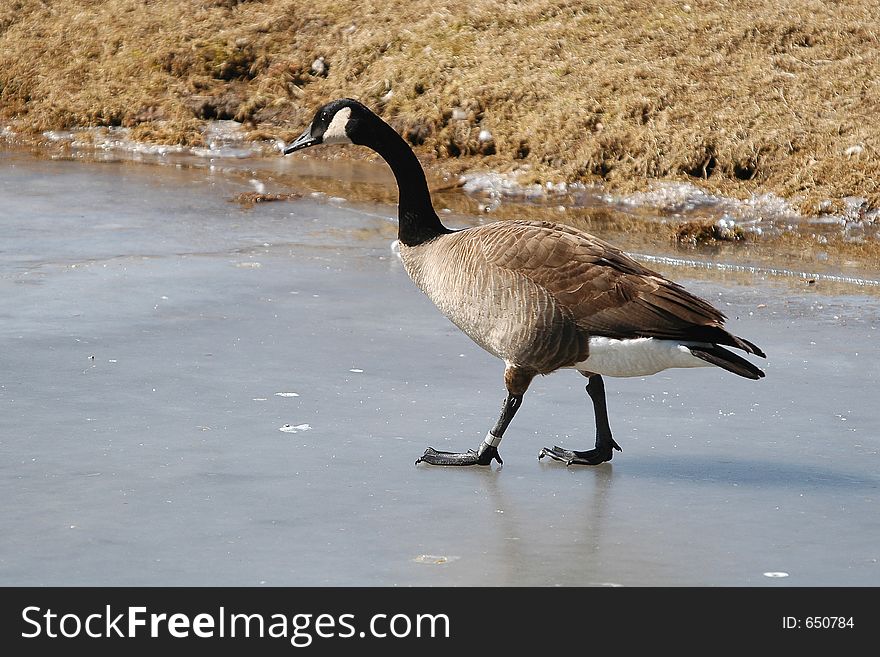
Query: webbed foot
(595,456)
(470,457)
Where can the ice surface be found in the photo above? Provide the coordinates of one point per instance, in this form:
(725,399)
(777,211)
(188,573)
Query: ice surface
(160,469)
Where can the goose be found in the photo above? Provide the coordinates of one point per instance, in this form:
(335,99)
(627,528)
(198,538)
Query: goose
(540,296)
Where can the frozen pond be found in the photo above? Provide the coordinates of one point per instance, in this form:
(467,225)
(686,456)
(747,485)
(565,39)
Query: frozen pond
(193,392)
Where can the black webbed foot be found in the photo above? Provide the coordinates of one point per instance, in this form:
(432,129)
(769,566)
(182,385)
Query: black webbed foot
(595,456)
(470,457)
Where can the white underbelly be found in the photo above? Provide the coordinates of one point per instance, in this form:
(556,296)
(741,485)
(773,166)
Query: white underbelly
(636,357)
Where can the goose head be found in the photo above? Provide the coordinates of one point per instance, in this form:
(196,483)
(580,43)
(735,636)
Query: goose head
(346,121)
(343,121)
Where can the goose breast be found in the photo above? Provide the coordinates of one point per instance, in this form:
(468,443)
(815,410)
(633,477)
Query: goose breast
(479,279)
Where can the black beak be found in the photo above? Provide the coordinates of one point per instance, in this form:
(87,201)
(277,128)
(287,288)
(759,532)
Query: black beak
(303,141)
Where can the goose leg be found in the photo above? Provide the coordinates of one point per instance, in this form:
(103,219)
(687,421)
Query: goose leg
(517,381)
(605,444)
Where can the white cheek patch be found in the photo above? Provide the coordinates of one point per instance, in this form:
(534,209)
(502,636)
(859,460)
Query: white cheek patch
(335,132)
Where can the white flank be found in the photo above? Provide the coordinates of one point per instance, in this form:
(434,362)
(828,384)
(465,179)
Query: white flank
(335,132)
(637,357)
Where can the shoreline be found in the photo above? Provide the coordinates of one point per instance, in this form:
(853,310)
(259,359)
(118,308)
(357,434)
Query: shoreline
(672,223)
(735,99)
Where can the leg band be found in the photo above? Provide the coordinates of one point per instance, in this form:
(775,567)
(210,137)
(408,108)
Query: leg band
(491,440)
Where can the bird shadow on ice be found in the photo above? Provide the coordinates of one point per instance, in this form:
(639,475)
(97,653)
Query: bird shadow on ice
(750,472)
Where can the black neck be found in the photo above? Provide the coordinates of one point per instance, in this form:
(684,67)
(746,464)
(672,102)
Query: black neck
(417,220)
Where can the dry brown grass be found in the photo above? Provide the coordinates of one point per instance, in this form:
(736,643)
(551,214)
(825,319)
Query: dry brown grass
(250,199)
(736,96)
(707,232)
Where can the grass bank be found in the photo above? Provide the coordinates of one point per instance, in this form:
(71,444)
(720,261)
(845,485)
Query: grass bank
(738,97)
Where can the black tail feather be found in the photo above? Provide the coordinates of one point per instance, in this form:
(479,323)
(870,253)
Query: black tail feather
(749,347)
(728,360)
(708,334)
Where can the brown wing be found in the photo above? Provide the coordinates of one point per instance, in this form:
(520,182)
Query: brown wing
(606,292)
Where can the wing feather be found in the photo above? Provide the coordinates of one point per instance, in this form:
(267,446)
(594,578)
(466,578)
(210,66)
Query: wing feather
(606,292)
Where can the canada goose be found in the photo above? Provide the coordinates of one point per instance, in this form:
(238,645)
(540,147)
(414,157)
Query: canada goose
(538,295)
